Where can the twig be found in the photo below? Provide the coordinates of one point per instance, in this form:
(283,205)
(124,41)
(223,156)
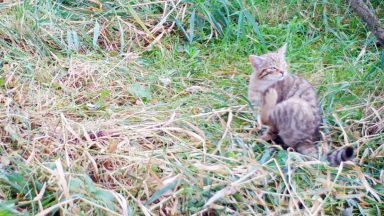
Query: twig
(369,17)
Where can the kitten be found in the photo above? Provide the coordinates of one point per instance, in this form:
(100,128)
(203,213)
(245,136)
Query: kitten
(288,105)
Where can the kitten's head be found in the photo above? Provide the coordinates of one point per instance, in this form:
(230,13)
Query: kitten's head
(271,66)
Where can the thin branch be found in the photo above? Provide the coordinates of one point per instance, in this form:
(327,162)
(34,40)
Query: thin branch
(368,16)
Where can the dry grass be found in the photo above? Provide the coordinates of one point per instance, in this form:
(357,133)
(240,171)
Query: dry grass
(136,122)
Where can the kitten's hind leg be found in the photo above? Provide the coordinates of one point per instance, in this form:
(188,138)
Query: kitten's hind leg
(270,134)
(308,148)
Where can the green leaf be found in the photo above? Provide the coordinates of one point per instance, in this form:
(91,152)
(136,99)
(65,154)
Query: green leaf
(211,19)
(14,135)
(7,208)
(106,197)
(256,29)
(239,25)
(138,19)
(96,34)
(192,26)
(16,181)
(162,191)
(91,187)
(180,26)
(122,37)
(69,41)
(76,41)
(76,185)
(140,91)
(105,93)
(2,82)
(85,184)
(267,155)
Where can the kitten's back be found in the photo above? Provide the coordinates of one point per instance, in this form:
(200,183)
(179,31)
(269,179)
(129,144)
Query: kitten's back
(297,115)
(295,86)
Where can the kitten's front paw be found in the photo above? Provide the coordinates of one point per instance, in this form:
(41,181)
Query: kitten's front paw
(271,97)
(266,137)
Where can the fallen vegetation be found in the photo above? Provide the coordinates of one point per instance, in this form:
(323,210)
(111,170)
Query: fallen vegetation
(139,107)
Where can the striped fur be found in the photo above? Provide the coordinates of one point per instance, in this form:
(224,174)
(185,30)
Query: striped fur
(344,154)
(288,105)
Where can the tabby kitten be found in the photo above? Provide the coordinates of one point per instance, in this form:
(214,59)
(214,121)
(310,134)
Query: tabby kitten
(288,105)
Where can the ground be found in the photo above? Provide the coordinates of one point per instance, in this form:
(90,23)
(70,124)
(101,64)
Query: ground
(141,107)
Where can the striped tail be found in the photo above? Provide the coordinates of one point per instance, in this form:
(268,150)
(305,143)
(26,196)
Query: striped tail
(345,154)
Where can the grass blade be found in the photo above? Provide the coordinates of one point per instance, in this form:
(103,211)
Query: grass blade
(180,26)
(168,187)
(69,41)
(192,26)
(239,25)
(256,29)
(96,34)
(76,40)
(139,21)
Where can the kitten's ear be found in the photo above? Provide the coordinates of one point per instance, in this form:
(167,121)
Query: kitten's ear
(283,49)
(256,61)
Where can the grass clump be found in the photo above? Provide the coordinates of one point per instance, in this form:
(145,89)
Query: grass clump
(140,107)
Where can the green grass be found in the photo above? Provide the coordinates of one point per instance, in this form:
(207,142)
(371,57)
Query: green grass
(106,111)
